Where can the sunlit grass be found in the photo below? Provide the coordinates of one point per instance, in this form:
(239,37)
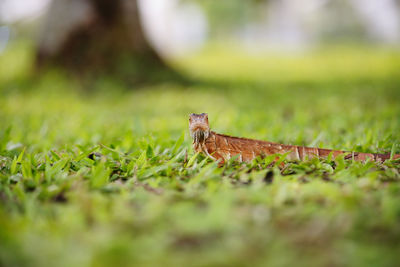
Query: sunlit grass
(338,64)
(109,177)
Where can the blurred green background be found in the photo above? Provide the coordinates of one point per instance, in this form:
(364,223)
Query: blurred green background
(96,164)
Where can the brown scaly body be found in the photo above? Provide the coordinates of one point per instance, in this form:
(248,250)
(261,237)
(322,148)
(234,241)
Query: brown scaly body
(223,147)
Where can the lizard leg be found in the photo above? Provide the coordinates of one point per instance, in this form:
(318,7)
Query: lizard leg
(204,148)
(216,156)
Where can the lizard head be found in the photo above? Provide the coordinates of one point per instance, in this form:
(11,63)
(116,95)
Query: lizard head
(199,127)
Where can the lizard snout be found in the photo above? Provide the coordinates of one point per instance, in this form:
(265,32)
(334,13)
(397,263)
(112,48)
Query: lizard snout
(199,127)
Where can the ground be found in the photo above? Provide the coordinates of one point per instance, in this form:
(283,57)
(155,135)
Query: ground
(105,175)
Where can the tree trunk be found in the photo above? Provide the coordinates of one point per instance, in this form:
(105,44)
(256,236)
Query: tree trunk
(98,36)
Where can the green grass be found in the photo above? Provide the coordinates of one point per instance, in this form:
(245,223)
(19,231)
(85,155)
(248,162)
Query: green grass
(146,199)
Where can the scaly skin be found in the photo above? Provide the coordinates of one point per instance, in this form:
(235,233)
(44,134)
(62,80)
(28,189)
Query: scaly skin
(221,147)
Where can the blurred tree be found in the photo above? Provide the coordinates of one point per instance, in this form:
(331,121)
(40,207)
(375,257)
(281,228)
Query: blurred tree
(97,36)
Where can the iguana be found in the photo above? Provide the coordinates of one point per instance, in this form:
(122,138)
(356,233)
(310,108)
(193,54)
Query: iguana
(220,147)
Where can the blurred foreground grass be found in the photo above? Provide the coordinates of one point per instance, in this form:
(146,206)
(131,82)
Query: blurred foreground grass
(146,199)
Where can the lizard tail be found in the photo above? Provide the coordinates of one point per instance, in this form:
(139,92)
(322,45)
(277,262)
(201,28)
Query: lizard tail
(396,156)
(375,156)
(303,152)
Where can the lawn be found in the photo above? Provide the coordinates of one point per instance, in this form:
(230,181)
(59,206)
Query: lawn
(104,175)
